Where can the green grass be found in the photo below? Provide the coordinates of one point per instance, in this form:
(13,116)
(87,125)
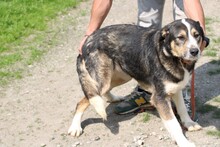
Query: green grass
(214,133)
(20,19)
(217,99)
(210,52)
(6,60)
(146,117)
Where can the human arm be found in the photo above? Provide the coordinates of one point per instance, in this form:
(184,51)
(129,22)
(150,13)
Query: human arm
(100,9)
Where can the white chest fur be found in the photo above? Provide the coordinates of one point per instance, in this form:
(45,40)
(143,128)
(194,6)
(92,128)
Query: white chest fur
(171,88)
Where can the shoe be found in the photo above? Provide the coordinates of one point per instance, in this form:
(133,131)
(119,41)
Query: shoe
(134,101)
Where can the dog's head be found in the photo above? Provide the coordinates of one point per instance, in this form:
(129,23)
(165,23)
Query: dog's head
(182,39)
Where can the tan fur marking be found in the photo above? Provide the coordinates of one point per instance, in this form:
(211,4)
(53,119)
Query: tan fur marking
(179,49)
(163,107)
(82,105)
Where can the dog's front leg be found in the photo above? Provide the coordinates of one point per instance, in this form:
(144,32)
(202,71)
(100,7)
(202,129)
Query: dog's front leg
(182,111)
(75,128)
(163,106)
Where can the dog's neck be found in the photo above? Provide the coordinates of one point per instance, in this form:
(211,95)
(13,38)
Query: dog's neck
(187,64)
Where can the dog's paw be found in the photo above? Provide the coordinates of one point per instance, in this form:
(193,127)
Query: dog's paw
(75,130)
(192,126)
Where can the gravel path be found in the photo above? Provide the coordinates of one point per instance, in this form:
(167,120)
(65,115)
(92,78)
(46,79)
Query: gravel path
(37,110)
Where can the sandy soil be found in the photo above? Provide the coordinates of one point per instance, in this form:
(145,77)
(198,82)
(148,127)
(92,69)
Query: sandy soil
(37,110)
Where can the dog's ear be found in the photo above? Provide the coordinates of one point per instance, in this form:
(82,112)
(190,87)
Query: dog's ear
(201,29)
(164,33)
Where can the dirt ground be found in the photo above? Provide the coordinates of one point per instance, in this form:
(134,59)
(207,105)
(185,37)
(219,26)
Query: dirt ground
(36,111)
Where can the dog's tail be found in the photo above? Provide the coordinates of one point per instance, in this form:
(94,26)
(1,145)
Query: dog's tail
(90,88)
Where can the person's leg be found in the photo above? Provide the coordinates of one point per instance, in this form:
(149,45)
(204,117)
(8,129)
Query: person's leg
(178,10)
(150,13)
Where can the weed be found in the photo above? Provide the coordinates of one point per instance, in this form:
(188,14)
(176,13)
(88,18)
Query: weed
(146,117)
(217,99)
(214,133)
(211,53)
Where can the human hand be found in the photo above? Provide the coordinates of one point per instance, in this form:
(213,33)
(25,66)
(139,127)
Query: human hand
(81,44)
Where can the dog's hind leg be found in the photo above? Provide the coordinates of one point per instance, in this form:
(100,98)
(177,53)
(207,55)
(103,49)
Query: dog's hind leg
(92,85)
(98,103)
(163,106)
(182,111)
(75,128)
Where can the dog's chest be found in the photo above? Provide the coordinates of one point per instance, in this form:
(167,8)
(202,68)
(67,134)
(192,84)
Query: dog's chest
(171,87)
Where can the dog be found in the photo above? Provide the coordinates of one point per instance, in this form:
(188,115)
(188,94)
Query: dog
(160,60)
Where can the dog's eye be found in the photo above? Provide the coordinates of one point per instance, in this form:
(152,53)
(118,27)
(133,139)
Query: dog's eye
(181,38)
(196,35)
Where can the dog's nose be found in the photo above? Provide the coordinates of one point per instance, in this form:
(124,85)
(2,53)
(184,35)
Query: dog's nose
(194,51)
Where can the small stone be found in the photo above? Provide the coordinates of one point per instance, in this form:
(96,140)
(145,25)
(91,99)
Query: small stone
(52,138)
(161,137)
(97,138)
(140,142)
(76,144)
(43,145)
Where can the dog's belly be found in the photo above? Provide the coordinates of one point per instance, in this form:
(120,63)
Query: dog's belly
(171,87)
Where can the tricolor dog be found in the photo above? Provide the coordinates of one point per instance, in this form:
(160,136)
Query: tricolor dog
(160,60)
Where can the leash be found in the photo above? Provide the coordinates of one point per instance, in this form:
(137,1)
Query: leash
(192,100)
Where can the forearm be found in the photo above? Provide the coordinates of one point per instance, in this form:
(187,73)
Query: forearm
(100,9)
(193,9)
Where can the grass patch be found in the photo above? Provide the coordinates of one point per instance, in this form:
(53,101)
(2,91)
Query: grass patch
(217,99)
(146,117)
(35,55)
(24,33)
(216,40)
(11,74)
(20,17)
(211,53)
(6,60)
(208,20)
(214,133)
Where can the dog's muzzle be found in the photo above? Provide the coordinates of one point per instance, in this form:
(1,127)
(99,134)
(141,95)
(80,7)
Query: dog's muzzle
(194,51)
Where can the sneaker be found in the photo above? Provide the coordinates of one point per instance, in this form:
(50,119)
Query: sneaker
(134,101)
